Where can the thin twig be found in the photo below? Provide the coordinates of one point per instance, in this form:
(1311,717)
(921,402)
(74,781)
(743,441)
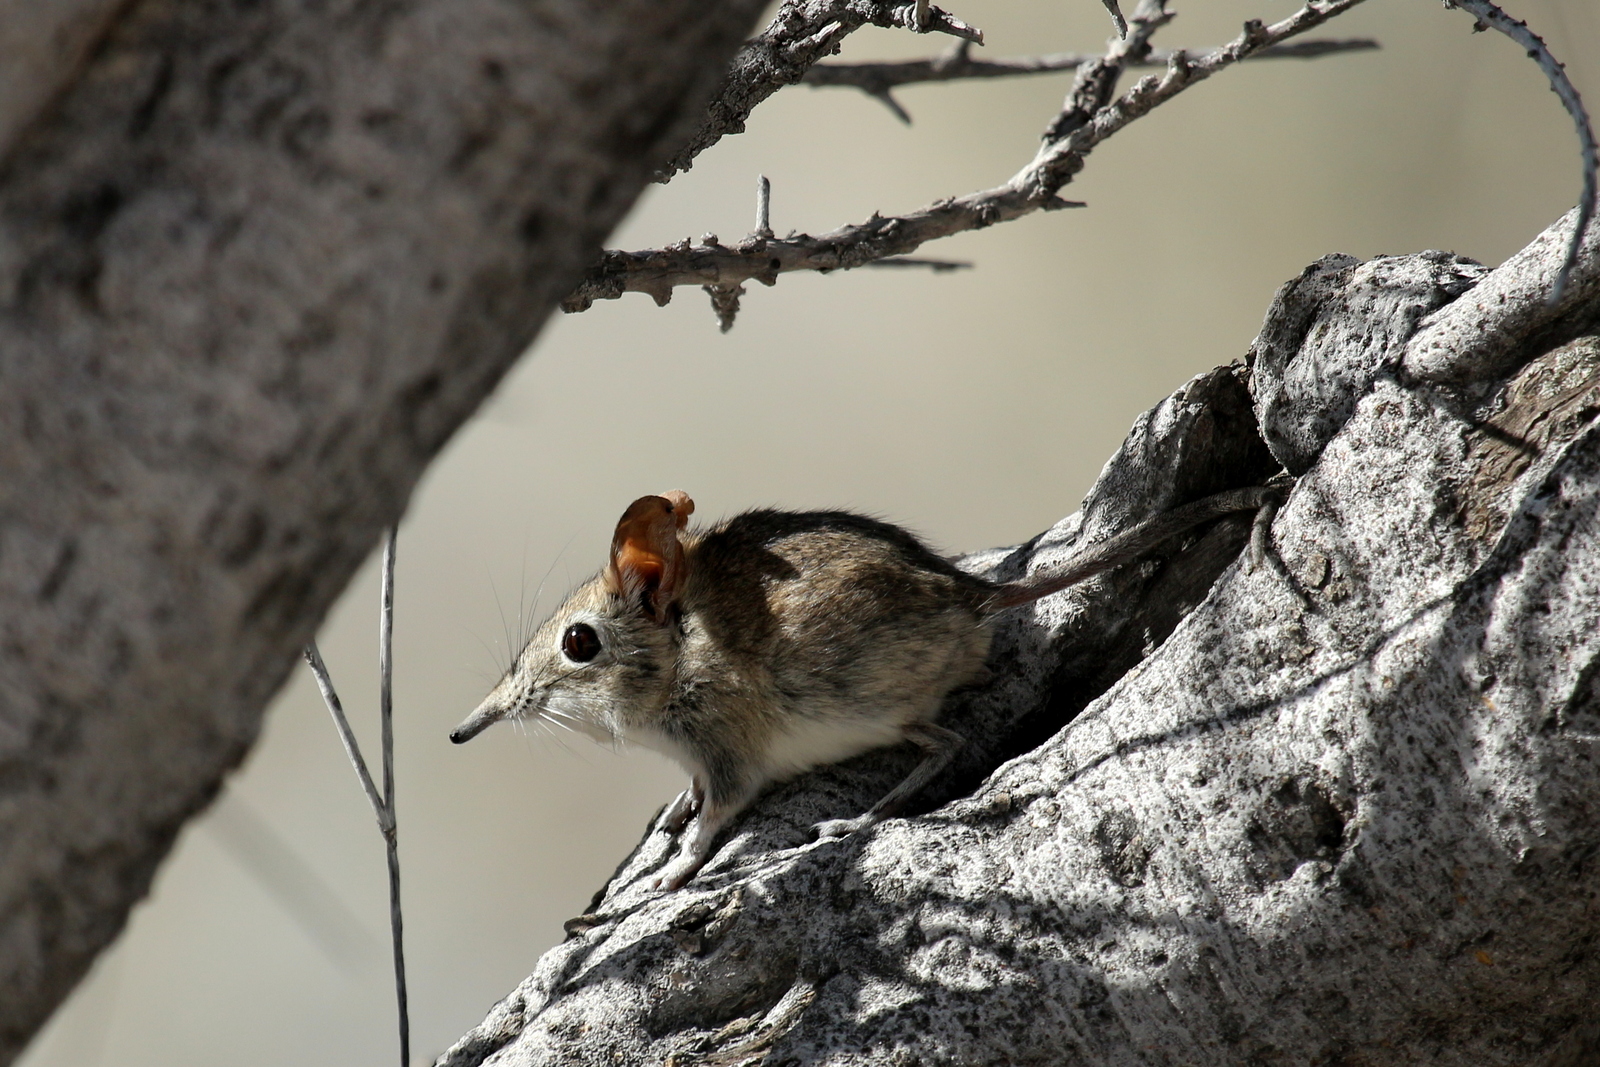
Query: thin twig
(383,807)
(351,747)
(879,80)
(801,33)
(1069,141)
(1490,16)
(1095,83)
(1116,17)
(391,836)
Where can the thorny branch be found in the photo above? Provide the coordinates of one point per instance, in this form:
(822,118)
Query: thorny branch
(1091,113)
(879,80)
(802,32)
(1491,17)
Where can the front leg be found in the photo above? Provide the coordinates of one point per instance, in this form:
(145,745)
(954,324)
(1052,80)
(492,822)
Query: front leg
(697,849)
(721,796)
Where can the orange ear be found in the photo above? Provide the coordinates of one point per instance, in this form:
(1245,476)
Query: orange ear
(647,559)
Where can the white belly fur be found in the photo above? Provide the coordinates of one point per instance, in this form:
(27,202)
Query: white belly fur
(813,742)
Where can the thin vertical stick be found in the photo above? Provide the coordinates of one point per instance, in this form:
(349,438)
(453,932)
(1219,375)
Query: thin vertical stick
(391,835)
(383,807)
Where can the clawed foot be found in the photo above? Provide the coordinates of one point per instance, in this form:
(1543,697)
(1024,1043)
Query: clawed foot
(676,874)
(842,827)
(674,877)
(696,848)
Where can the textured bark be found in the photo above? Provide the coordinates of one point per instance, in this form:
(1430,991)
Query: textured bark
(1342,807)
(257,262)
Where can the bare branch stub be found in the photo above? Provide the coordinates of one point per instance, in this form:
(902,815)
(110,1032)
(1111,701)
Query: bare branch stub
(763,207)
(801,33)
(1092,113)
(1116,17)
(1491,17)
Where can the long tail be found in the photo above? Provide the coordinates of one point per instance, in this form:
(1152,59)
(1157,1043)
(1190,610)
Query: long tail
(1129,545)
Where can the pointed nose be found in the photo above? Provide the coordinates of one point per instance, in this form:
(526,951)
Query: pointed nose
(488,713)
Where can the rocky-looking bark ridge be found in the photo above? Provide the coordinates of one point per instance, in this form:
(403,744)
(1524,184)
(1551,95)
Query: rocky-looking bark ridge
(1342,807)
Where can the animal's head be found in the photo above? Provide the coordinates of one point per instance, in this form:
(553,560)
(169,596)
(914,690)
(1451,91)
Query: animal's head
(604,662)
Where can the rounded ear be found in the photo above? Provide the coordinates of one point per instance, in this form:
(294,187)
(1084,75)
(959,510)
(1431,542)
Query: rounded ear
(647,559)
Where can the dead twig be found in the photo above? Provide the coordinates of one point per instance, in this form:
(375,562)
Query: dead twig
(1490,16)
(763,207)
(725,297)
(1092,113)
(801,33)
(1116,17)
(879,80)
(383,807)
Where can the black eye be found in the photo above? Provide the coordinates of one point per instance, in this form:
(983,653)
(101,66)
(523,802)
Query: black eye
(580,643)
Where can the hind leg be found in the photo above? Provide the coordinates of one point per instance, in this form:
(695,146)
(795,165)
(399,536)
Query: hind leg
(939,747)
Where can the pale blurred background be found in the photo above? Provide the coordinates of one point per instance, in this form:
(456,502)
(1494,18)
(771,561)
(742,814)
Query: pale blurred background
(975,407)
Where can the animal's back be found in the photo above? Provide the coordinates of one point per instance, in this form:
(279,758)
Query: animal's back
(849,618)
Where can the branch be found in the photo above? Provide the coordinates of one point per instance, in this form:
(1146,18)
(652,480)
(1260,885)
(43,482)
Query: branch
(174,605)
(391,839)
(383,806)
(352,748)
(1116,17)
(1489,16)
(878,80)
(800,34)
(1090,116)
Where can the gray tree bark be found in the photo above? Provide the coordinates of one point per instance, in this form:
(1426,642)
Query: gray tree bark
(1342,807)
(257,262)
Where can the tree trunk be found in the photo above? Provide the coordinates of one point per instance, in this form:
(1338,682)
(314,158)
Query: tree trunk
(257,263)
(1341,806)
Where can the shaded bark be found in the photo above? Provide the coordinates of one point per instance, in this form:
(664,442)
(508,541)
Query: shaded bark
(1342,807)
(257,263)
